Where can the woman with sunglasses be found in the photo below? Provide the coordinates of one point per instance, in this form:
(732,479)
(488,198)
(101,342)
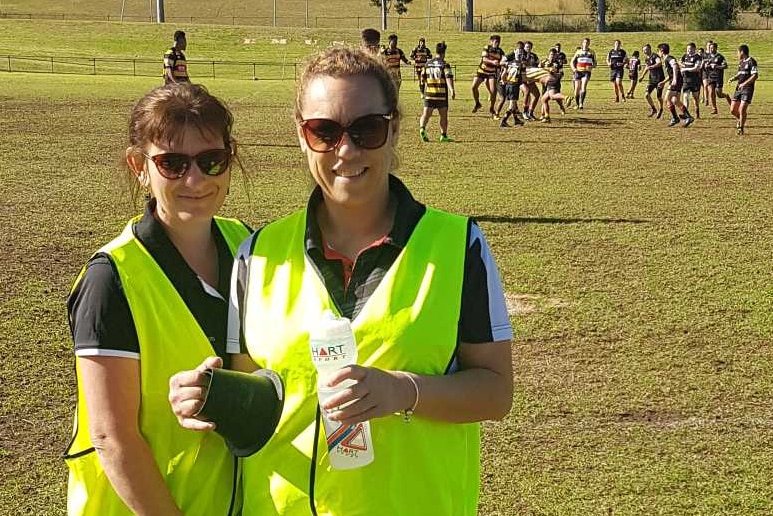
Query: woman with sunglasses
(152,302)
(426,305)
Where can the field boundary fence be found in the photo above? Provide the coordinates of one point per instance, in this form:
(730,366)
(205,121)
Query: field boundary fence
(623,21)
(198,69)
(204,69)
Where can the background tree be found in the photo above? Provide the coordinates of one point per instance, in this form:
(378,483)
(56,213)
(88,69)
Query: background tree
(468,23)
(400,6)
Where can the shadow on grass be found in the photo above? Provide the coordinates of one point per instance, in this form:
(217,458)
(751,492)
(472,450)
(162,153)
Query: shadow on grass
(496,219)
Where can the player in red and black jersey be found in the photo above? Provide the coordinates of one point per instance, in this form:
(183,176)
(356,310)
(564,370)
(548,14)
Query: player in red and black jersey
(420,55)
(617,58)
(674,82)
(715,65)
(654,66)
(744,90)
(690,66)
(487,72)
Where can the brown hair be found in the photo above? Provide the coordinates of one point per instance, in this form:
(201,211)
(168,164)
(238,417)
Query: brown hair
(340,62)
(163,113)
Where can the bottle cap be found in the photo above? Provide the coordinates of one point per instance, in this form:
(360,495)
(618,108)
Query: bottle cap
(331,327)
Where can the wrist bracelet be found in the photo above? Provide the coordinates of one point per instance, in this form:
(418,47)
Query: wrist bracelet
(407,413)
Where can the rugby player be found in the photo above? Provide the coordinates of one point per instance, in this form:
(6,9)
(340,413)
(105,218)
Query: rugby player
(175,64)
(490,59)
(551,83)
(512,76)
(654,66)
(744,90)
(715,65)
(634,66)
(438,78)
(583,62)
(531,94)
(674,82)
(616,60)
(392,56)
(371,41)
(420,55)
(690,66)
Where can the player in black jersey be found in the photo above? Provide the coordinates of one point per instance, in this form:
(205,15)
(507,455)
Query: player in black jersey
(531,94)
(616,60)
(674,83)
(512,76)
(744,90)
(654,66)
(715,65)
(634,67)
(704,52)
(690,66)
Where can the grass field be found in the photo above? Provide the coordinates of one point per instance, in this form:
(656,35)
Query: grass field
(636,259)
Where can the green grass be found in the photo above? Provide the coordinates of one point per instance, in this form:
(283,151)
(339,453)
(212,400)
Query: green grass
(640,274)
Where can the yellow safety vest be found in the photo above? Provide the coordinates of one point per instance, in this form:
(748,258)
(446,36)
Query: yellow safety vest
(409,323)
(197,467)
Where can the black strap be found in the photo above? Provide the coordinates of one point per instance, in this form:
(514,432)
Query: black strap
(313,466)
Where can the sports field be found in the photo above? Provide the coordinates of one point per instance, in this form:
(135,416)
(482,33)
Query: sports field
(636,259)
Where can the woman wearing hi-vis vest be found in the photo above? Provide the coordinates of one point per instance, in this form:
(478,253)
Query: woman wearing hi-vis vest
(149,303)
(426,305)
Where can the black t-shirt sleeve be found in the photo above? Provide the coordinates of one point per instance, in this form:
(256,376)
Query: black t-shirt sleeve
(100,319)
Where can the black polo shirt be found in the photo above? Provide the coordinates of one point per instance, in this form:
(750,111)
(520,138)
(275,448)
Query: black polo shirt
(101,321)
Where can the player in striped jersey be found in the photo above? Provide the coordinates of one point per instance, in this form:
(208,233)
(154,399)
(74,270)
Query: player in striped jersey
(551,84)
(420,55)
(583,63)
(175,64)
(439,85)
(393,55)
(490,59)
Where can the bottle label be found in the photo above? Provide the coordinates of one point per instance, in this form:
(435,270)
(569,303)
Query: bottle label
(348,440)
(328,353)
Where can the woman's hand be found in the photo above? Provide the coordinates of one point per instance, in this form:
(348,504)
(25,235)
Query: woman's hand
(187,393)
(376,393)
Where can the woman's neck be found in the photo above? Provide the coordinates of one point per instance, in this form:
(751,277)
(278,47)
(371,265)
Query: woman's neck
(349,230)
(194,240)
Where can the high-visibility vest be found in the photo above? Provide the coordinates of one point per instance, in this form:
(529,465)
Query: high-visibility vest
(197,468)
(409,323)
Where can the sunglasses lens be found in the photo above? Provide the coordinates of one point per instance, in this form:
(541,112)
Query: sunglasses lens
(369,132)
(172,166)
(214,162)
(321,134)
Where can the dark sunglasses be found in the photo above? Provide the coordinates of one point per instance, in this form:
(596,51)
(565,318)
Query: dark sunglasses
(173,165)
(368,132)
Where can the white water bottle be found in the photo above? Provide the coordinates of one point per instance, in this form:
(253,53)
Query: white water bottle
(333,347)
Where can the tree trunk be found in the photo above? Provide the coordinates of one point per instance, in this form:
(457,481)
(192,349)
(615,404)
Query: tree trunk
(468,23)
(383,15)
(601,16)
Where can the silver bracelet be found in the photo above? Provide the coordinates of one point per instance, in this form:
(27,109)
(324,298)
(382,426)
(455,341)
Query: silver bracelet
(407,413)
